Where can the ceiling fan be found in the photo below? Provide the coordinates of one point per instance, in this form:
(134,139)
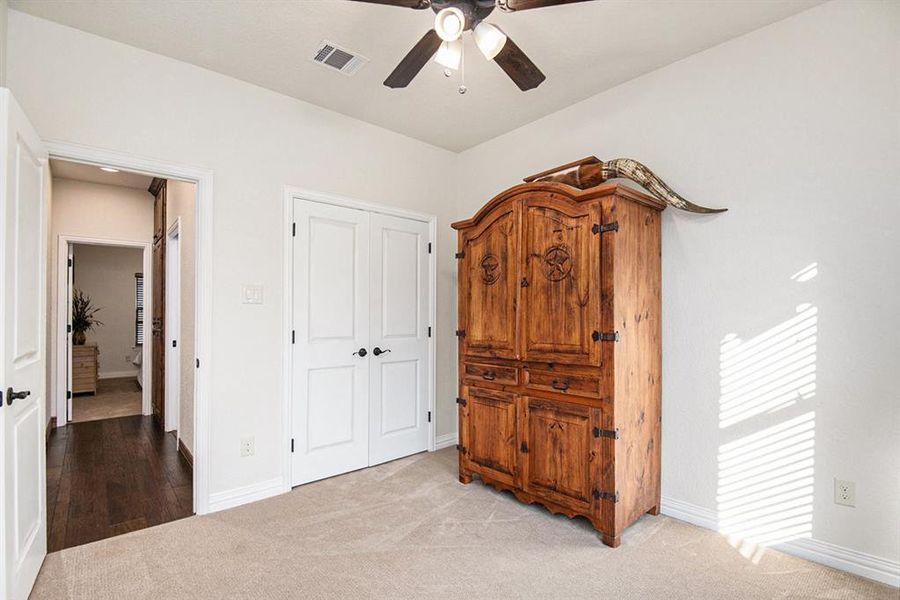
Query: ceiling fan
(452,19)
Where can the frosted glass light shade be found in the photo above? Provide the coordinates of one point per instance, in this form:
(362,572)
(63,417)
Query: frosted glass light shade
(449,24)
(489,39)
(449,54)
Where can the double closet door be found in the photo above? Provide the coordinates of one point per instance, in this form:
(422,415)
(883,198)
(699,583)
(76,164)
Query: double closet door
(360,352)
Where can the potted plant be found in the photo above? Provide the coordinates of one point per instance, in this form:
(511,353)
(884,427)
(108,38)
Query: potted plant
(84,316)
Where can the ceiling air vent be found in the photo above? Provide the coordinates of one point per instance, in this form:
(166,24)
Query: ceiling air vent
(340,59)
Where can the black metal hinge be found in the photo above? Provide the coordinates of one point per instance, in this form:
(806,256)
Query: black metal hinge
(461,401)
(70,262)
(174,343)
(429,416)
(460,254)
(68,394)
(524,447)
(429,331)
(598,228)
(293,229)
(460,333)
(292,444)
(68,329)
(612,434)
(461,448)
(198,363)
(605,336)
(293,336)
(429,247)
(613,496)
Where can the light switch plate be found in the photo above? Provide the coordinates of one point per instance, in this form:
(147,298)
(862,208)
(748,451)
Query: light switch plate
(252,293)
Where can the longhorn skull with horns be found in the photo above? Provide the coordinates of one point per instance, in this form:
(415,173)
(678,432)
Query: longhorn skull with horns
(591,171)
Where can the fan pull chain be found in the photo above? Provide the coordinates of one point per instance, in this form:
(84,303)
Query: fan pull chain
(462,89)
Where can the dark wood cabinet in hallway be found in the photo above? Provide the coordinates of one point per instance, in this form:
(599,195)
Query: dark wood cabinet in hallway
(109,477)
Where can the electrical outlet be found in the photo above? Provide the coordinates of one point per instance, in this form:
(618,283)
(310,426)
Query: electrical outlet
(248,446)
(844,492)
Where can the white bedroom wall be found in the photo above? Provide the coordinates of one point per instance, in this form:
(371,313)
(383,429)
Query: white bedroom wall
(106,274)
(4,19)
(795,129)
(95,210)
(81,88)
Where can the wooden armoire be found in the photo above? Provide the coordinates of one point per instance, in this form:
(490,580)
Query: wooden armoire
(559,350)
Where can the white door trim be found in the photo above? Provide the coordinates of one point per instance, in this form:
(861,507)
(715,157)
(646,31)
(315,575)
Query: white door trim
(203,179)
(290,194)
(173,292)
(60,379)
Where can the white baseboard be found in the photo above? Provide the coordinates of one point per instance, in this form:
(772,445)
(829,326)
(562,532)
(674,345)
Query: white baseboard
(117,374)
(825,553)
(246,494)
(445,441)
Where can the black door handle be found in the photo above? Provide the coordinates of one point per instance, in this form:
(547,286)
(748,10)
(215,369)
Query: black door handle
(377,351)
(361,352)
(12,396)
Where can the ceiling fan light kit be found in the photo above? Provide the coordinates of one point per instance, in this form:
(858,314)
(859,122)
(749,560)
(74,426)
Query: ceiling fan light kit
(452,19)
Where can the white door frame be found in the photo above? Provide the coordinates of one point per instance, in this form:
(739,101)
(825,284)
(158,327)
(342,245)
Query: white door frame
(203,179)
(61,380)
(290,194)
(173,292)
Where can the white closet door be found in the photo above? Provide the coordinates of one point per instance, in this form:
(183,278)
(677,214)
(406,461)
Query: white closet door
(398,373)
(331,316)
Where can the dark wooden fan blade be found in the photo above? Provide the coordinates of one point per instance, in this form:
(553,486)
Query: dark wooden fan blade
(413,62)
(417,4)
(515,5)
(519,67)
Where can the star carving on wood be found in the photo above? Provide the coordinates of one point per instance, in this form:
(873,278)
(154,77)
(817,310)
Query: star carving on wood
(490,269)
(557,262)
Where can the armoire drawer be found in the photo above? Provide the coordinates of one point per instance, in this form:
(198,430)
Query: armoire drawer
(476,373)
(576,384)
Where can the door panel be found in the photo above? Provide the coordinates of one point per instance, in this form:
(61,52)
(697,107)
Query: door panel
(561,452)
(23,242)
(492,437)
(158,334)
(489,286)
(331,317)
(562,298)
(398,389)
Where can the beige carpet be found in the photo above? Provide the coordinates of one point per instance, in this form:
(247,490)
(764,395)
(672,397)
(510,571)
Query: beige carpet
(115,398)
(408,529)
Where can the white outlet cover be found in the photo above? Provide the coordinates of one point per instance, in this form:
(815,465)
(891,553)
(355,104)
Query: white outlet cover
(844,492)
(252,293)
(247,446)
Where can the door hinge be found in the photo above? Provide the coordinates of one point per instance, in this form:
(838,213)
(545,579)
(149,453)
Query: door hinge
(461,401)
(174,343)
(460,333)
(292,444)
(198,363)
(524,282)
(613,496)
(429,331)
(524,447)
(68,329)
(460,254)
(293,230)
(70,262)
(612,434)
(293,336)
(598,228)
(429,416)
(68,394)
(429,247)
(605,336)
(462,449)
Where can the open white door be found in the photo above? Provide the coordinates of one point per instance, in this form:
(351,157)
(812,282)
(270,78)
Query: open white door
(70,288)
(330,360)
(23,506)
(398,387)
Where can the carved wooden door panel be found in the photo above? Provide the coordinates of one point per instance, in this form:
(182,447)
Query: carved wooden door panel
(561,452)
(488,286)
(560,290)
(491,433)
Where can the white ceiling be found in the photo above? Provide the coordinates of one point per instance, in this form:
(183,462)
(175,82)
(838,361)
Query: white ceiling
(79,172)
(583,48)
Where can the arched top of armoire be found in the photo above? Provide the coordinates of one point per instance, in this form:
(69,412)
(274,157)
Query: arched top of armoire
(560,190)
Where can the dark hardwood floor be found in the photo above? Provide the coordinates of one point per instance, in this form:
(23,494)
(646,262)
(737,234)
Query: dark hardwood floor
(109,477)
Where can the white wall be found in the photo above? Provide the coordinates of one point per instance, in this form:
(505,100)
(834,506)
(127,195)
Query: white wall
(94,210)
(4,17)
(795,129)
(106,274)
(180,198)
(81,88)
